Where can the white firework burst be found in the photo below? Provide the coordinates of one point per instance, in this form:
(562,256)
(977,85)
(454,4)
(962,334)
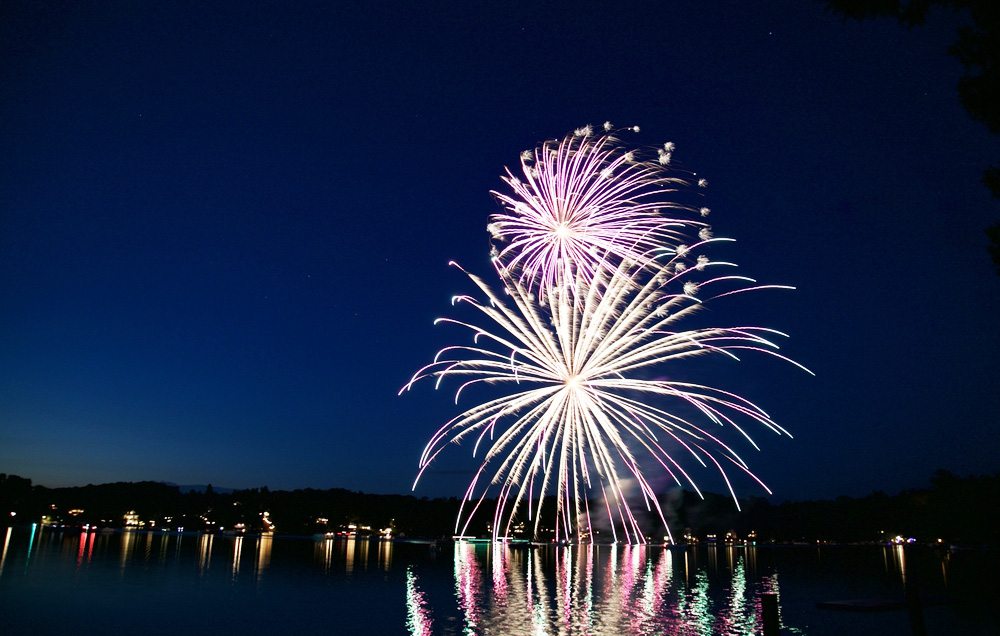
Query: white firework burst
(581,415)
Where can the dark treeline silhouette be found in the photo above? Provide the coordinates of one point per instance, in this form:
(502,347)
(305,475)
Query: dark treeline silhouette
(297,511)
(976,47)
(955,509)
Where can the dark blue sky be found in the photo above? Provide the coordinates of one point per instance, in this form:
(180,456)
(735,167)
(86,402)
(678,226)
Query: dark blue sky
(224,231)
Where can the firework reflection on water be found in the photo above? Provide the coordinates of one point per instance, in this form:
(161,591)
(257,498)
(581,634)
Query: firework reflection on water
(598,590)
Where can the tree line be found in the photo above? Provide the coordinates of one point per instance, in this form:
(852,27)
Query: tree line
(953,508)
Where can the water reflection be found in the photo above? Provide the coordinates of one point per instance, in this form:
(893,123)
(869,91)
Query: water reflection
(83,548)
(6,545)
(31,544)
(325,551)
(127,545)
(632,589)
(164,542)
(894,561)
(385,554)
(36,545)
(237,554)
(418,619)
(86,547)
(481,588)
(263,555)
(467,583)
(349,555)
(205,552)
(362,552)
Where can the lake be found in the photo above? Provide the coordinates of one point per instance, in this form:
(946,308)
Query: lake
(150,582)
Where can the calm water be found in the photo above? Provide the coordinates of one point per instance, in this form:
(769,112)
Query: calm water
(53,582)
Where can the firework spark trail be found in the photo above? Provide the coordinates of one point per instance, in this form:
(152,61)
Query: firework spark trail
(588,203)
(574,422)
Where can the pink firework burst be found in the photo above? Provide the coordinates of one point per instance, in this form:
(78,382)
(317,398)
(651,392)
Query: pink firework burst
(588,203)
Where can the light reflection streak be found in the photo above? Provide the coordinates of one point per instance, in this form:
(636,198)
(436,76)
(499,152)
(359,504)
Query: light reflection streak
(349,555)
(31,543)
(664,580)
(82,549)
(164,540)
(580,599)
(900,557)
(327,550)
(237,555)
(648,594)
(628,580)
(588,582)
(538,595)
(613,566)
(564,584)
(737,619)
(500,558)
(530,583)
(700,613)
(418,618)
(128,545)
(385,554)
(362,549)
(263,555)
(467,583)
(894,560)
(205,552)
(3,556)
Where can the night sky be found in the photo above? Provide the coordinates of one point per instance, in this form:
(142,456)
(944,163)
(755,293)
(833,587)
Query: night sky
(224,231)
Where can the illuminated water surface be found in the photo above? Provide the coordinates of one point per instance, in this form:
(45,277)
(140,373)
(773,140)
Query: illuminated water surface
(160,583)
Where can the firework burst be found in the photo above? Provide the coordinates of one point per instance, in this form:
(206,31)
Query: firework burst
(601,271)
(581,416)
(586,203)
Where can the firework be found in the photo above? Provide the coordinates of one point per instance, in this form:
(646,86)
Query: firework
(586,203)
(581,413)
